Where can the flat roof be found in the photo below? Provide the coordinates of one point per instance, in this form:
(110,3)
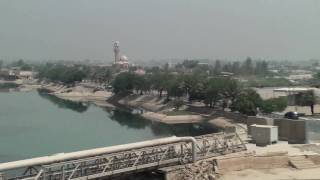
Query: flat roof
(294,89)
(263,126)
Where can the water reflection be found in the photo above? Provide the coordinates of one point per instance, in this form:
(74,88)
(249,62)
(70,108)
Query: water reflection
(8,87)
(182,129)
(126,118)
(61,103)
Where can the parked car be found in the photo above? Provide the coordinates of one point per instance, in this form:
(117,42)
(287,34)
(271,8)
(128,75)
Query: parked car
(291,115)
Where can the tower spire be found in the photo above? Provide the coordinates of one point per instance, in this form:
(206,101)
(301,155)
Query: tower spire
(116,50)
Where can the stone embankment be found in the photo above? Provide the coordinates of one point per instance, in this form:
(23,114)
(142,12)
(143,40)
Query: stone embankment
(79,93)
(154,109)
(178,119)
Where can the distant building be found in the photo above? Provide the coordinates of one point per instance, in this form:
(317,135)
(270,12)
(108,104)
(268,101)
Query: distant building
(226,74)
(140,71)
(16,73)
(26,74)
(120,61)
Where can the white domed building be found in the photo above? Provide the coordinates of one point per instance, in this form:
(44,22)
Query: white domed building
(122,61)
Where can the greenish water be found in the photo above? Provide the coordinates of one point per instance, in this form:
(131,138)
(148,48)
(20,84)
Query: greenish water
(36,124)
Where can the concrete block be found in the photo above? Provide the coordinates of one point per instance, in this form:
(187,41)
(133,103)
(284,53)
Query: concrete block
(263,134)
(313,131)
(293,131)
(297,132)
(283,128)
(259,121)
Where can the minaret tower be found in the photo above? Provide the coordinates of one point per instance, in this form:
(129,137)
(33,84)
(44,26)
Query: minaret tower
(116,50)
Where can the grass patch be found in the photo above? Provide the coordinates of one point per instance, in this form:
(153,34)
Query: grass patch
(267,82)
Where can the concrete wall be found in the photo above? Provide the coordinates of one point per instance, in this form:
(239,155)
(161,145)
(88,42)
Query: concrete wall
(315,158)
(283,128)
(258,120)
(236,117)
(293,131)
(253,162)
(297,132)
(234,163)
(313,131)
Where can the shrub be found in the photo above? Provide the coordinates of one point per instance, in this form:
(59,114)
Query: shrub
(274,105)
(178,103)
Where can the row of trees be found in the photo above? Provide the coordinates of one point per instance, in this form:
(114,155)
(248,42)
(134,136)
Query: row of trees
(247,67)
(216,92)
(62,73)
(69,74)
(21,64)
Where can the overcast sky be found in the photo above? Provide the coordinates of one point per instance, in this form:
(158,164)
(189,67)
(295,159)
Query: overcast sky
(160,29)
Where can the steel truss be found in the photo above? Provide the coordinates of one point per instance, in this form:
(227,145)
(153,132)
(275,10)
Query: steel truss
(132,160)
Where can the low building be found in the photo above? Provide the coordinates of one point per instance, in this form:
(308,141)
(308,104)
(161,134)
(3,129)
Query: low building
(26,74)
(140,71)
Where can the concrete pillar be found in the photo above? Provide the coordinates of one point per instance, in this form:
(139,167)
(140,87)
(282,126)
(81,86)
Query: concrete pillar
(2,177)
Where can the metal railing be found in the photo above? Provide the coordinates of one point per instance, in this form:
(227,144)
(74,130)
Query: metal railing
(104,162)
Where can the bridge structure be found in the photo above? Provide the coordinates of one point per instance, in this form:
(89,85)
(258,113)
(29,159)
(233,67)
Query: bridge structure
(115,160)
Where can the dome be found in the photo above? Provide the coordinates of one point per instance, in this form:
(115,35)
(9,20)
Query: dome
(123,58)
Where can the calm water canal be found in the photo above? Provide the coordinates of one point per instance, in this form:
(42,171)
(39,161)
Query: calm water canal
(36,124)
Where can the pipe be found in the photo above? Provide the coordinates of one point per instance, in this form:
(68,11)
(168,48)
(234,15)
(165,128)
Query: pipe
(96,152)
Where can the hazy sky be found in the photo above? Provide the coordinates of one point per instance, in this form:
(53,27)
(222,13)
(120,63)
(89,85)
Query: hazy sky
(158,29)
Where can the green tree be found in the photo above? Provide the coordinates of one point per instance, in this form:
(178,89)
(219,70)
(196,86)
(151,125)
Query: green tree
(247,102)
(306,99)
(26,67)
(274,105)
(61,73)
(213,91)
(261,68)
(178,103)
(247,67)
(160,81)
(231,89)
(124,82)
(236,67)
(217,67)
(102,75)
(190,64)
(20,62)
(141,84)
(174,87)
(227,67)
(1,63)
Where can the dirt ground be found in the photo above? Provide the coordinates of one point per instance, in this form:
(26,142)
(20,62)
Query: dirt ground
(272,174)
(278,173)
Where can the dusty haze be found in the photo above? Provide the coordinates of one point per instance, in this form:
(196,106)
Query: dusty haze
(157,29)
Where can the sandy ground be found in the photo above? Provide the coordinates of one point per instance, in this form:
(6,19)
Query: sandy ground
(271,174)
(267,92)
(283,146)
(178,119)
(278,173)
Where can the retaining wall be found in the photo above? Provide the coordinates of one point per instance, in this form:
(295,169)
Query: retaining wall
(280,160)
(294,131)
(313,131)
(236,117)
(258,120)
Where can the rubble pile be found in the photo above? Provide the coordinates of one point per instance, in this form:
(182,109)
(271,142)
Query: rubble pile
(201,170)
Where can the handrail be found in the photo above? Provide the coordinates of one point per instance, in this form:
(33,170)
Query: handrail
(96,152)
